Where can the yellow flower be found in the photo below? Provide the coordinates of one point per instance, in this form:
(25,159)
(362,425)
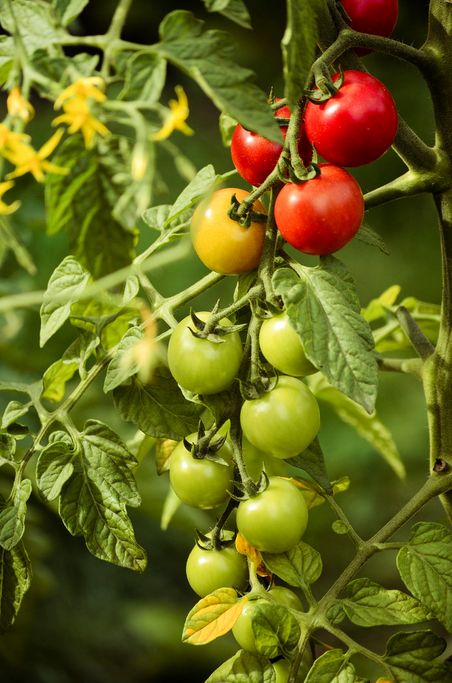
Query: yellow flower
(83,88)
(78,117)
(10,140)
(177,117)
(28,160)
(6,209)
(18,106)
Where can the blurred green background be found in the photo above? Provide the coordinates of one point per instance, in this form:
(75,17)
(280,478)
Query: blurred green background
(84,620)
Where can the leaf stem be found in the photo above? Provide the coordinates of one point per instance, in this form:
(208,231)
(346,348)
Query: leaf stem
(357,540)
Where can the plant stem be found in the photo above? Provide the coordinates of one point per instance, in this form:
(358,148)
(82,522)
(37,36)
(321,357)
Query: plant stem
(113,33)
(357,540)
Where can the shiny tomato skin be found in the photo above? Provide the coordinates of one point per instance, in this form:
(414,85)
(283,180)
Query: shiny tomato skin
(274,520)
(282,347)
(284,420)
(208,570)
(320,215)
(221,243)
(255,157)
(201,483)
(200,365)
(355,126)
(377,17)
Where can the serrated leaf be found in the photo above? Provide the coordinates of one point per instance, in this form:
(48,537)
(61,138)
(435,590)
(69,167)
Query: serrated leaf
(12,517)
(369,236)
(370,427)
(235,10)
(425,566)
(93,501)
(68,280)
(54,468)
(208,57)
(312,462)
(411,658)
(35,22)
(202,182)
(212,616)
(323,307)
(274,629)
(300,566)
(144,77)
(158,409)
(332,667)
(15,579)
(13,411)
(59,373)
(244,667)
(68,10)
(299,45)
(369,604)
(118,370)
(103,320)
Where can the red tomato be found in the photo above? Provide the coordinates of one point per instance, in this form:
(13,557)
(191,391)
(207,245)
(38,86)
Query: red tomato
(377,17)
(355,126)
(320,215)
(255,157)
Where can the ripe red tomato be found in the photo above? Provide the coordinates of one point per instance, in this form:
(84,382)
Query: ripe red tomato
(377,17)
(355,126)
(321,215)
(255,157)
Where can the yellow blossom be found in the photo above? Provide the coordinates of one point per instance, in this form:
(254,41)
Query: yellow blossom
(10,140)
(77,115)
(18,106)
(28,160)
(83,88)
(177,117)
(6,209)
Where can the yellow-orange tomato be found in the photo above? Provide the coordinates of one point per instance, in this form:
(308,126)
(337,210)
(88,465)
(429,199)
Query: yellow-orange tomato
(222,244)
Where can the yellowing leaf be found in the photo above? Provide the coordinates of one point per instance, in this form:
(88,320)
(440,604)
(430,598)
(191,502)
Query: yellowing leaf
(312,495)
(244,548)
(163,450)
(212,616)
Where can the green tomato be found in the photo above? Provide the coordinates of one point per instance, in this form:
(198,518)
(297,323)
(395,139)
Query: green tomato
(275,520)
(282,668)
(201,483)
(284,596)
(200,365)
(282,347)
(208,570)
(256,461)
(284,420)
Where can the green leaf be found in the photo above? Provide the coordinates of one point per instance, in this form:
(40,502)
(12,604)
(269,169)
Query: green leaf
(118,370)
(208,57)
(378,308)
(158,409)
(9,240)
(411,658)
(68,10)
(299,45)
(323,307)
(93,501)
(235,10)
(332,667)
(145,76)
(84,201)
(12,517)
(274,629)
(54,468)
(7,52)
(369,236)
(171,505)
(369,604)
(202,182)
(244,667)
(370,427)
(66,284)
(425,565)
(13,411)
(74,358)
(157,218)
(300,566)
(15,579)
(227,126)
(131,289)
(313,462)
(36,24)
(7,449)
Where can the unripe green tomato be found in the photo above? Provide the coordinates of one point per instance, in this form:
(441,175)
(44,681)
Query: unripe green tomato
(284,420)
(201,483)
(256,461)
(282,668)
(284,596)
(200,365)
(281,346)
(208,570)
(275,520)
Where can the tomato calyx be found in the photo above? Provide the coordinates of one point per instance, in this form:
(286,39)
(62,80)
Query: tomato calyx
(251,488)
(244,218)
(206,445)
(213,333)
(258,386)
(216,539)
(325,88)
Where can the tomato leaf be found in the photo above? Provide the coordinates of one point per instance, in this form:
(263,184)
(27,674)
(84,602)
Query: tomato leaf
(15,580)
(299,45)
(412,658)
(68,10)
(12,517)
(144,76)
(244,667)
(159,409)
(54,468)
(212,616)
(38,27)
(369,236)
(324,309)
(425,565)
(300,566)
(201,183)
(312,462)
(208,58)
(332,667)
(13,411)
(235,10)
(120,369)
(7,449)
(274,629)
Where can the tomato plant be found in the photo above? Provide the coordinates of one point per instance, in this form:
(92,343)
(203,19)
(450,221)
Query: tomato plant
(282,669)
(321,215)
(282,347)
(355,126)
(200,365)
(223,244)
(210,569)
(284,420)
(255,157)
(274,520)
(201,482)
